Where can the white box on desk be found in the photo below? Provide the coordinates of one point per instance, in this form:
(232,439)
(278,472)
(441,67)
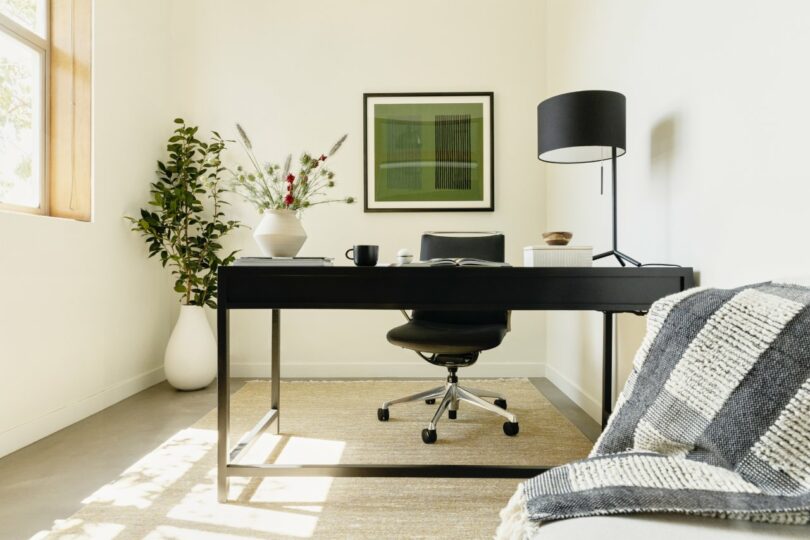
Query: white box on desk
(544,256)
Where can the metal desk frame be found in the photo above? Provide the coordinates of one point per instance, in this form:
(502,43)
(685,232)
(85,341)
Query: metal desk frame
(609,290)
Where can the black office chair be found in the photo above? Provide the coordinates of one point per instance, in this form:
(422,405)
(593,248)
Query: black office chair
(454,339)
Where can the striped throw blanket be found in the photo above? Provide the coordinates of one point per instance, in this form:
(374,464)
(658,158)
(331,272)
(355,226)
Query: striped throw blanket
(714,419)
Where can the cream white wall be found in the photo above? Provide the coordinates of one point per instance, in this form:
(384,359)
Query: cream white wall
(84,317)
(715,175)
(293,73)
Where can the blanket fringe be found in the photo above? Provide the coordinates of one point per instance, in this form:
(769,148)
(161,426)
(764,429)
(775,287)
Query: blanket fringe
(515,522)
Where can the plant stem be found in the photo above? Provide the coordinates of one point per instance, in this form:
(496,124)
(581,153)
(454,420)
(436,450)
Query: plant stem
(185,257)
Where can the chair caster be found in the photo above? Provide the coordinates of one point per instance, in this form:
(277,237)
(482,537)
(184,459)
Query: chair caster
(500,403)
(511,428)
(430,401)
(452,415)
(382,415)
(429,436)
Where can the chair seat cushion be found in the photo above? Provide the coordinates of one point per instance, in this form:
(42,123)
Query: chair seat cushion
(446,338)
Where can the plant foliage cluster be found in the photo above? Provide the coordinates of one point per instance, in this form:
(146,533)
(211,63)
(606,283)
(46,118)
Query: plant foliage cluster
(186,224)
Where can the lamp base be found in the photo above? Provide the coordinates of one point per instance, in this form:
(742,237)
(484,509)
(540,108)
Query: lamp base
(621,257)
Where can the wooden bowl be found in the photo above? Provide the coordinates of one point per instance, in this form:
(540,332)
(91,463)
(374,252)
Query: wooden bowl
(557,238)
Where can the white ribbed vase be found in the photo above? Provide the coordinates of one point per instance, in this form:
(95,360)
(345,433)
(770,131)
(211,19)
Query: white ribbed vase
(280,233)
(190,362)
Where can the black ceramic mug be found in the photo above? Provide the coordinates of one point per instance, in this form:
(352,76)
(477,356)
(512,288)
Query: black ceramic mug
(363,255)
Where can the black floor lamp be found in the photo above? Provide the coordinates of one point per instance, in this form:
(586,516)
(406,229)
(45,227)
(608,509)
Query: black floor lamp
(585,127)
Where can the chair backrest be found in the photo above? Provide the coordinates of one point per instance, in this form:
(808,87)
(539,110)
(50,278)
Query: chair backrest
(488,247)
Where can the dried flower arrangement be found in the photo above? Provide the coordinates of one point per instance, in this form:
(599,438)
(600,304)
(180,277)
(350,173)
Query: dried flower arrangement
(272,187)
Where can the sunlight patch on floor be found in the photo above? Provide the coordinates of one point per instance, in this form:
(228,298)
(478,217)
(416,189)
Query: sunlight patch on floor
(198,507)
(77,529)
(171,493)
(307,492)
(306,450)
(167,532)
(262,450)
(258,507)
(287,506)
(149,477)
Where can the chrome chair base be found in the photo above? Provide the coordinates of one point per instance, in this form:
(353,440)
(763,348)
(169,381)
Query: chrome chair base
(451,394)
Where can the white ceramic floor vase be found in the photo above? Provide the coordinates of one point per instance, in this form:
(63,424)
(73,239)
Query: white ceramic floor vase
(280,233)
(190,362)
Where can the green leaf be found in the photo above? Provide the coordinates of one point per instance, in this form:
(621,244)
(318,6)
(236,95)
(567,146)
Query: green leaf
(183,224)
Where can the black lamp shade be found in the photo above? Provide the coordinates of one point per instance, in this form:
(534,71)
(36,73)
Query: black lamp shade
(581,127)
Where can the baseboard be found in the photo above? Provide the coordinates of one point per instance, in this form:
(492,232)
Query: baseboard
(385,369)
(579,396)
(34,430)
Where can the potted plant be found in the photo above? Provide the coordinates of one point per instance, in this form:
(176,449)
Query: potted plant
(281,195)
(184,226)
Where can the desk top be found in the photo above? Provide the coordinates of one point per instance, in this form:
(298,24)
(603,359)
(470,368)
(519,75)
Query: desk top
(465,288)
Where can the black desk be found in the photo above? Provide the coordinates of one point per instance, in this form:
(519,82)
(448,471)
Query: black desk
(609,290)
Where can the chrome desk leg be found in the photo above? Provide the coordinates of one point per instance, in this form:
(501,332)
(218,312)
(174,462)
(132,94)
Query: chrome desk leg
(275,367)
(223,403)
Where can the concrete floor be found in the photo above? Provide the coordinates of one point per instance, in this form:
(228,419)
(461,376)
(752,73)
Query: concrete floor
(49,479)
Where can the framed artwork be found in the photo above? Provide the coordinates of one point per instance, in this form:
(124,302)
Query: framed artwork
(429,152)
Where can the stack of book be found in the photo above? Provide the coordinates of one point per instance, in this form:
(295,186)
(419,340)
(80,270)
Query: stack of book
(283,261)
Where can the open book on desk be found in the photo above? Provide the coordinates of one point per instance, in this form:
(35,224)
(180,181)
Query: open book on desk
(463,261)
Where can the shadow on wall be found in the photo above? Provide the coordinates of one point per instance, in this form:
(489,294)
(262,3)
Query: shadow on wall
(662,145)
(663,152)
(663,148)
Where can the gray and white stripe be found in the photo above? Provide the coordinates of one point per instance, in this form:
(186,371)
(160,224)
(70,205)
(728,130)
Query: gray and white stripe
(714,420)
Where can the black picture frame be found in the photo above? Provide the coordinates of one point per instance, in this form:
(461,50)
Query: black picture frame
(489,183)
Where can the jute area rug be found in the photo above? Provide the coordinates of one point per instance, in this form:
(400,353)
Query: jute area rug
(170,493)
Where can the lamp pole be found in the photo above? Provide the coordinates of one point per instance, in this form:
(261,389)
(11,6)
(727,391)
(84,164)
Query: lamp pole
(621,257)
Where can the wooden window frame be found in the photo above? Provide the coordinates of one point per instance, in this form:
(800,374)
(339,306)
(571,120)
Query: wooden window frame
(71,120)
(66,189)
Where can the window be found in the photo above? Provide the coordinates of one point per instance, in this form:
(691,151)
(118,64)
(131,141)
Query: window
(23,97)
(45,107)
